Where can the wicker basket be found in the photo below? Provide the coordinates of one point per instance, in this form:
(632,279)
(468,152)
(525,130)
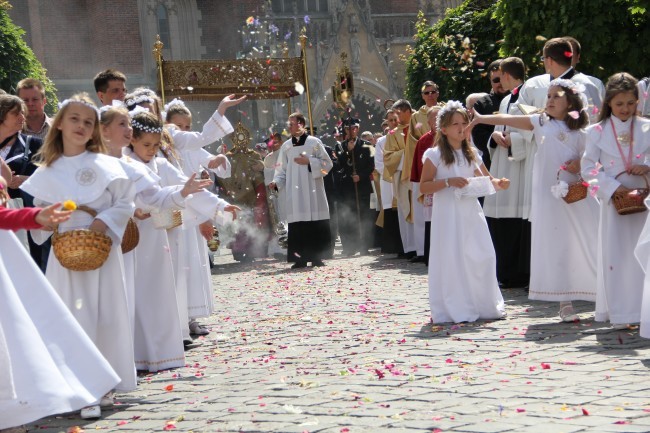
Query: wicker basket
(577,190)
(627,203)
(131,236)
(167,219)
(81,249)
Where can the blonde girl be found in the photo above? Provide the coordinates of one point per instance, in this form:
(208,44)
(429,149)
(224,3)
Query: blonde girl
(462,276)
(563,244)
(75,167)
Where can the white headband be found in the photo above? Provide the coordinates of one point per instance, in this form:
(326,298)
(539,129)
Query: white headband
(568,84)
(449,106)
(87,104)
(115,104)
(139,99)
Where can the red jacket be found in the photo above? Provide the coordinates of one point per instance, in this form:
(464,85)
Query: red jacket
(425,142)
(17,219)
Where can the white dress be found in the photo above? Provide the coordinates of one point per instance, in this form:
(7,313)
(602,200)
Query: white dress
(50,365)
(199,286)
(159,321)
(620,277)
(563,236)
(463,284)
(148,193)
(97,299)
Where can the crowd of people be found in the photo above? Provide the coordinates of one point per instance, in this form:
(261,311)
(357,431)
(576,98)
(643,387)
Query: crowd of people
(538,184)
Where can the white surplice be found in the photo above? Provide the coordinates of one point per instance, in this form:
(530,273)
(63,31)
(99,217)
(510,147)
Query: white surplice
(52,366)
(305,190)
(509,203)
(97,299)
(385,186)
(563,236)
(463,284)
(620,277)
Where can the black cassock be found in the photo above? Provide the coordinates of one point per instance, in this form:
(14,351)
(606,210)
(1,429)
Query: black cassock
(356,218)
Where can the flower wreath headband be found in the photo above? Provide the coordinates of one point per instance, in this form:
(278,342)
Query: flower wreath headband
(139,126)
(568,84)
(449,106)
(140,99)
(66,102)
(173,103)
(576,88)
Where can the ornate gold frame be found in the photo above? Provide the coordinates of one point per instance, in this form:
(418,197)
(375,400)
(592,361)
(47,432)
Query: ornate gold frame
(208,80)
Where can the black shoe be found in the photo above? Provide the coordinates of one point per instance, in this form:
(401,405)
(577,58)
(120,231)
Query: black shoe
(417,259)
(317,263)
(299,265)
(409,255)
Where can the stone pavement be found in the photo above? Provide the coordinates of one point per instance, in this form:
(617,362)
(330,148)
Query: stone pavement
(348,348)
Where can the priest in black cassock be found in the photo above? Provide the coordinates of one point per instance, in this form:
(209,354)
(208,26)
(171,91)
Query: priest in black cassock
(302,165)
(488,105)
(355,163)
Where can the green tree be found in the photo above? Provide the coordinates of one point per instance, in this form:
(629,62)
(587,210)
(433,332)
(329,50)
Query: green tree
(455,52)
(614,34)
(17,60)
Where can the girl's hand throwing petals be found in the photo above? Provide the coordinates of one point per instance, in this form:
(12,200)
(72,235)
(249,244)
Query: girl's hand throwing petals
(233,210)
(193,185)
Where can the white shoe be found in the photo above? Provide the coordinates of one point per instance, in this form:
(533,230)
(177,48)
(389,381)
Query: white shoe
(620,326)
(91,412)
(567,314)
(107,400)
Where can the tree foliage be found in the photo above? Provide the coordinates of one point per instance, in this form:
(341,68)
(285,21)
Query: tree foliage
(455,52)
(614,34)
(17,60)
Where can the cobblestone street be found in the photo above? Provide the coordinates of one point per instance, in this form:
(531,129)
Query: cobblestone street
(349,348)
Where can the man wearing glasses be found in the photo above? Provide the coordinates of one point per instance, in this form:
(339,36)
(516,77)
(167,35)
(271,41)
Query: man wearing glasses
(419,125)
(488,105)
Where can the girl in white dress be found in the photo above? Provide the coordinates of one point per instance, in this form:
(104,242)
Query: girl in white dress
(199,294)
(463,285)
(616,162)
(117,133)
(184,242)
(37,332)
(563,244)
(74,167)
(158,320)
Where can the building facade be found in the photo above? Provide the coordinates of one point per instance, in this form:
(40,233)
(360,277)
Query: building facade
(74,39)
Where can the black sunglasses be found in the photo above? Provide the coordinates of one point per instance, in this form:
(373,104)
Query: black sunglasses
(430,92)
(496,80)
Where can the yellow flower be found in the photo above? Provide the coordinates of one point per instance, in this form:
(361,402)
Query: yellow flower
(69,205)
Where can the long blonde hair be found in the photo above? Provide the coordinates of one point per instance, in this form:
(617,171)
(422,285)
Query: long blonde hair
(52,148)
